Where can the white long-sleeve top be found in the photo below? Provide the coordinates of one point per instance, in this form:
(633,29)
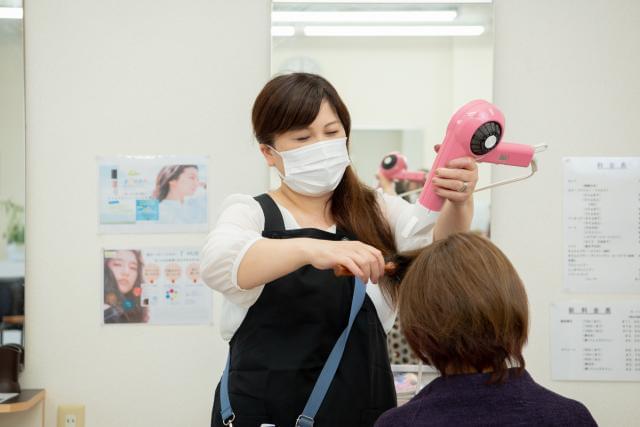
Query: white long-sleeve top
(240,225)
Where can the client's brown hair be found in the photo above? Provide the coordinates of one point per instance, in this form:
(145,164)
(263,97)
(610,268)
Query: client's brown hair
(463,307)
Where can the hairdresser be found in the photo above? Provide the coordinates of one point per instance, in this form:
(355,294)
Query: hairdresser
(272,258)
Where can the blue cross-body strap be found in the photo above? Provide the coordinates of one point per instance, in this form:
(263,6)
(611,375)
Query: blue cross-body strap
(225,405)
(331,365)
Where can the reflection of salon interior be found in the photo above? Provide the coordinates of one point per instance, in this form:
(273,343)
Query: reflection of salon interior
(85,305)
(12,182)
(376,72)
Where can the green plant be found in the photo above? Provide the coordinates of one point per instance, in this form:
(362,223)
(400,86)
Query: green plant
(14,233)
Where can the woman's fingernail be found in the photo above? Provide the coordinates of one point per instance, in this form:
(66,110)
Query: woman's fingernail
(438,172)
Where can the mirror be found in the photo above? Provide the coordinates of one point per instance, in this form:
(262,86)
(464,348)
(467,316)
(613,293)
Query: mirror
(12,172)
(403,70)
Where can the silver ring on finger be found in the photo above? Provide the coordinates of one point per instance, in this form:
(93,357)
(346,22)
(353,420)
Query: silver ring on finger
(464,187)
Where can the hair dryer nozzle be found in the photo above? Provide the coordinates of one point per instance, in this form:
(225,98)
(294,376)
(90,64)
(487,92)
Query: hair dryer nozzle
(486,138)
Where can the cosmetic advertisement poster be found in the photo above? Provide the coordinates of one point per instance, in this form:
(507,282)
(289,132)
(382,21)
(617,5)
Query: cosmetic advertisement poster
(151,194)
(159,286)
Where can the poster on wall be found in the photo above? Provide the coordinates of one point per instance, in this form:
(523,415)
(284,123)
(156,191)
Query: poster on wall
(150,194)
(602,224)
(595,342)
(156,286)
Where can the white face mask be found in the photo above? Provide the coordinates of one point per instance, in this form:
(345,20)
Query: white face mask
(316,169)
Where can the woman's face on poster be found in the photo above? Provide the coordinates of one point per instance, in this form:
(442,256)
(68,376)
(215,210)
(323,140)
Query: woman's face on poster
(124,267)
(187,182)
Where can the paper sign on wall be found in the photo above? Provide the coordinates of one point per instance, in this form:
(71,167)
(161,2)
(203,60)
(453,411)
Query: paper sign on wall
(156,286)
(602,224)
(152,194)
(598,342)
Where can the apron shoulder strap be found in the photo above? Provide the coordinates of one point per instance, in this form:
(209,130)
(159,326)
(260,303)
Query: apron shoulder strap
(272,216)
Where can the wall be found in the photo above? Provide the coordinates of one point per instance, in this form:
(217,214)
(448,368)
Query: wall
(366,146)
(566,73)
(109,78)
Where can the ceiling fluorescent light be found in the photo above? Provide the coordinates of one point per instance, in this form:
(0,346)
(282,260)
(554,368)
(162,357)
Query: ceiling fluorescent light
(283,31)
(386,1)
(393,31)
(10,13)
(370,16)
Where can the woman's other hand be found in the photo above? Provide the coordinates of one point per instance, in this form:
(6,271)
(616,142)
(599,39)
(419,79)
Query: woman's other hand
(362,260)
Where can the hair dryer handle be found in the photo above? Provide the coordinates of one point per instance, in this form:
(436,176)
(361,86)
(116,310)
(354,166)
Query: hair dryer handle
(507,153)
(448,151)
(428,197)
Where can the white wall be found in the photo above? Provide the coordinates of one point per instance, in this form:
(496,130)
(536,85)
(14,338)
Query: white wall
(566,73)
(366,146)
(109,78)
(11,118)
(472,69)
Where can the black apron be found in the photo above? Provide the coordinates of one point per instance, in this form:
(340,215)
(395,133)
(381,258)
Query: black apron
(278,351)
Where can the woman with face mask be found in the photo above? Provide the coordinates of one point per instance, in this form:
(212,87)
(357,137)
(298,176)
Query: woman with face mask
(272,257)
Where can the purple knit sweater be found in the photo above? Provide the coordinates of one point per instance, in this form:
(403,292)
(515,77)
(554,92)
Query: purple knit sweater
(467,400)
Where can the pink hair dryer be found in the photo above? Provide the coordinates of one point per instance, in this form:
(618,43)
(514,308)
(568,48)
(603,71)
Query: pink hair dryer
(475,130)
(394,167)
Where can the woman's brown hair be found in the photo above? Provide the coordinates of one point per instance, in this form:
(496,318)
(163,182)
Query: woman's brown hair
(292,101)
(463,307)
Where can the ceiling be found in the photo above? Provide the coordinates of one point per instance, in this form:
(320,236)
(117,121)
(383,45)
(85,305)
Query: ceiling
(468,14)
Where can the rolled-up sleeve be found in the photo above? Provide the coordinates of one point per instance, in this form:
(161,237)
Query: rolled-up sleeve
(239,226)
(412,225)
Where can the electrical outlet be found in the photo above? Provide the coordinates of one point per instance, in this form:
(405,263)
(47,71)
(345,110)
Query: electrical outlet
(70,416)
(70,421)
